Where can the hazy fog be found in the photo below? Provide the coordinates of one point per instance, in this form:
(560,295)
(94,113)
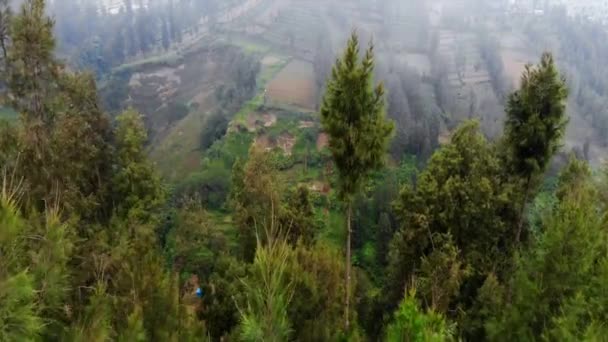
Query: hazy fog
(442,60)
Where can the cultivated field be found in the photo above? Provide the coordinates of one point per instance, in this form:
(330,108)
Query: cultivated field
(515,62)
(294,85)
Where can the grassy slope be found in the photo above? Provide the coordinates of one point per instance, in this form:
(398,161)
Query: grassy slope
(171,154)
(174,155)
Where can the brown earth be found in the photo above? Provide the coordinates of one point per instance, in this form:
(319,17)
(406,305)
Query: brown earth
(322,141)
(515,63)
(285,142)
(294,85)
(256,121)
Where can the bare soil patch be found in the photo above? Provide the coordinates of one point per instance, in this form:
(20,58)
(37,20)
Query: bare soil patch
(263,142)
(515,63)
(256,121)
(319,187)
(285,142)
(322,141)
(294,85)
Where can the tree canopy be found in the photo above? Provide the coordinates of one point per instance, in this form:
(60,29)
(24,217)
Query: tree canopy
(479,242)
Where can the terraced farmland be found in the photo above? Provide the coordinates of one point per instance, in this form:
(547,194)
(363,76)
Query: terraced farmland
(294,85)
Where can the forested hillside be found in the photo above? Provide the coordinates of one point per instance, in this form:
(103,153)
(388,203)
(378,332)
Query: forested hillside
(235,193)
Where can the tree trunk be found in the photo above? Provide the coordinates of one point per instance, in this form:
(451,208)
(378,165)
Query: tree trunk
(348,267)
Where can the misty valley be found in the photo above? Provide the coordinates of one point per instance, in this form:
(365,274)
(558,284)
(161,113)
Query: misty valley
(303,170)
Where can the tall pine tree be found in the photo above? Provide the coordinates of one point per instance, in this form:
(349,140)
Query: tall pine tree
(535,125)
(353,116)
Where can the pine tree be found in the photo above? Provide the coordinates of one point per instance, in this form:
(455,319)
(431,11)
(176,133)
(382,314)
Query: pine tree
(535,125)
(461,193)
(298,217)
(269,293)
(51,254)
(134,332)
(224,289)
(32,68)
(412,324)
(19,318)
(31,74)
(136,186)
(552,294)
(352,114)
(63,134)
(316,309)
(95,323)
(441,274)
(81,139)
(256,199)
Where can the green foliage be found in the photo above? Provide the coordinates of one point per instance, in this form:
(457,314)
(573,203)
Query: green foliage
(81,206)
(256,200)
(95,323)
(269,293)
(542,206)
(18,318)
(441,274)
(215,128)
(70,173)
(81,136)
(535,125)
(333,227)
(298,218)
(316,309)
(353,115)
(383,238)
(60,121)
(137,189)
(211,185)
(135,328)
(536,118)
(407,170)
(115,90)
(9,144)
(49,266)
(193,242)
(234,146)
(460,193)
(413,324)
(31,66)
(552,291)
(223,289)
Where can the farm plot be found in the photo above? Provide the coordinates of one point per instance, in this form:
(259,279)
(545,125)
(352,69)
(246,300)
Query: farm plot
(294,85)
(515,62)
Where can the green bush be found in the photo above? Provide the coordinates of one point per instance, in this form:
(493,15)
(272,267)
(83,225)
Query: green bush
(215,128)
(212,186)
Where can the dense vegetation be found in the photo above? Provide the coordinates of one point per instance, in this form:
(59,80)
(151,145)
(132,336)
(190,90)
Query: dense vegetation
(477,245)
